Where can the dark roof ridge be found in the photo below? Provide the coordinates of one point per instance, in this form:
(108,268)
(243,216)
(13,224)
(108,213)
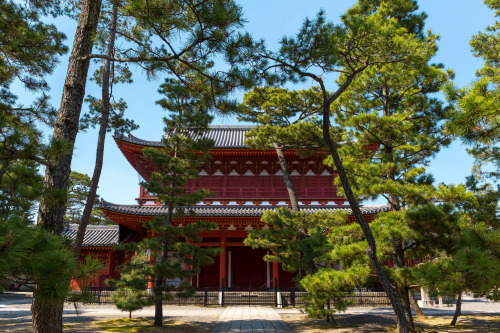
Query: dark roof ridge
(214,210)
(74,226)
(232,126)
(224,136)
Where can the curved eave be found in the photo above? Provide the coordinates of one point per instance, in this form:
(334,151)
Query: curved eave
(91,247)
(132,146)
(251,211)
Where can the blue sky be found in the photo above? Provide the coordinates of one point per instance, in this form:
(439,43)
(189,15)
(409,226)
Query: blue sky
(454,20)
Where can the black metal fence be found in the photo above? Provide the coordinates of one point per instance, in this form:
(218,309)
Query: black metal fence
(365,298)
(205,297)
(277,297)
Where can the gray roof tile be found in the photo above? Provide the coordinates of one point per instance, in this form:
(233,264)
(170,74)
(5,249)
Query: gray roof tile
(230,211)
(95,236)
(224,136)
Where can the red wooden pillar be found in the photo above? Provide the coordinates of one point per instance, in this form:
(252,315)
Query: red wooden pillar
(108,264)
(223,261)
(151,282)
(276,274)
(186,268)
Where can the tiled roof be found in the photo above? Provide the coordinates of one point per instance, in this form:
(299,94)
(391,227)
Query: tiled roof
(95,236)
(224,136)
(230,211)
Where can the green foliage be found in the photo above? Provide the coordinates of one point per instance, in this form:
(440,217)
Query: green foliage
(173,39)
(35,256)
(319,244)
(130,291)
(285,117)
(375,43)
(477,121)
(297,240)
(329,287)
(177,163)
(78,189)
(470,265)
(469,257)
(30,50)
(29,47)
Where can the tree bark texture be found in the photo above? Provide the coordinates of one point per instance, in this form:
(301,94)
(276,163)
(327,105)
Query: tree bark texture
(418,310)
(103,126)
(3,169)
(160,279)
(51,214)
(47,316)
(402,289)
(458,309)
(286,177)
(371,249)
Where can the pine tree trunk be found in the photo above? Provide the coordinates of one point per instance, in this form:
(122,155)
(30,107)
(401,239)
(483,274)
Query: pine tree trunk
(418,310)
(3,169)
(401,286)
(87,211)
(402,291)
(330,315)
(47,317)
(163,256)
(402,324)
(286,177)
(50,214)
(458,309)
(158,302)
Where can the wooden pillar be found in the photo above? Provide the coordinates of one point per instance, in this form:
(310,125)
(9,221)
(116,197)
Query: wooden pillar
(186,268)
(108,263)
(223,261)
(276,276)
(151,282)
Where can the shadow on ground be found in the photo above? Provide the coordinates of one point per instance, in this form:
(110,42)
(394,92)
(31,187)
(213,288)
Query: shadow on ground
(115,325)
(385,323)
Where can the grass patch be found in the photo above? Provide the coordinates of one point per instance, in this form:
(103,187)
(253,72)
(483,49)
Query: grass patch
(146,325)
(470,323)
(125,325)
(375,323)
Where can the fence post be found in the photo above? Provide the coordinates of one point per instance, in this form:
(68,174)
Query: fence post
(221,294)
(275,293)
(292,296)
(99,294)
(249,296)
(205,299)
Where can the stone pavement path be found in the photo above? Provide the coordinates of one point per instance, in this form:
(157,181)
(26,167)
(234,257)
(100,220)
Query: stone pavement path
(250,320)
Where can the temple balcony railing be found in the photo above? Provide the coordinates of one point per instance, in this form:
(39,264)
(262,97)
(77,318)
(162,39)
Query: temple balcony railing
(249,193)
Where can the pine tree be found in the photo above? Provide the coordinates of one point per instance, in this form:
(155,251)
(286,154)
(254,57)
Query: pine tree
(34,256)
(185,151)
(393,106)
(30,50)
(371,32)
(468,257)
(130,290)
(477,121)
(284,117)
(202,29)
(325,251)
(78,189)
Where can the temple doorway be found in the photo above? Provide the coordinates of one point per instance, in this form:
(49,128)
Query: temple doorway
(247,268)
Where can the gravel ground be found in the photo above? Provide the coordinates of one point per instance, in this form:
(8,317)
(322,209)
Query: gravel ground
(481,315)
(15,315)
